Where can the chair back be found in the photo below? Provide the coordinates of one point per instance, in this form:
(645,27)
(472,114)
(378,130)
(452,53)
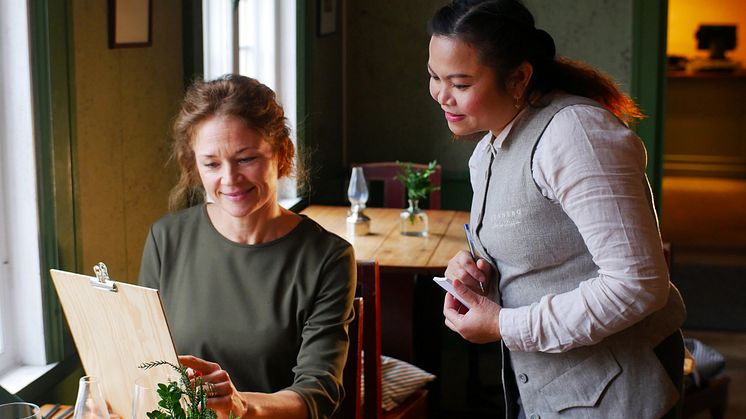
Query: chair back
(394,195)
(351,406)
(368,286)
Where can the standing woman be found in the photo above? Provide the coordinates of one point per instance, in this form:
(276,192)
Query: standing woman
(563,221)
(257,296)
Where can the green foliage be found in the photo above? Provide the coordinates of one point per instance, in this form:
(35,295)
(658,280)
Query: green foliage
(185,399)
(417,182)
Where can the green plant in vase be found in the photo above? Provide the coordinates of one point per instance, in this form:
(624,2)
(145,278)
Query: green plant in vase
(185,399)
(414,221)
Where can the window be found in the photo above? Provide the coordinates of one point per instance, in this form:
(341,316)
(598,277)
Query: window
(22,343)
(255,38)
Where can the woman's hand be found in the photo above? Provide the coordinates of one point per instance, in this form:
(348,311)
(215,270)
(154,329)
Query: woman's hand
(462,267)
(222,394)
(478,324)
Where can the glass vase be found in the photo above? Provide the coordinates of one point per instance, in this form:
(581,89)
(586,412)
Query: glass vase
(413,220)
(90,403)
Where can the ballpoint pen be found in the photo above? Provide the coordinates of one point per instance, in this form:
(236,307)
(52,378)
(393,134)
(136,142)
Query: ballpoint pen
(471,250)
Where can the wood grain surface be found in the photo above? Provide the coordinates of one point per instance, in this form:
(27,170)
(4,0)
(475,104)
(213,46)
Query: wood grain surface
(394,251)
(115,332)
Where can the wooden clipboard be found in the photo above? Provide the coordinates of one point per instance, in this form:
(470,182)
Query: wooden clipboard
(116,328)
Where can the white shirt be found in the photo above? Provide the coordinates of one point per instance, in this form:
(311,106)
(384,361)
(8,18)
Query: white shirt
(593,166)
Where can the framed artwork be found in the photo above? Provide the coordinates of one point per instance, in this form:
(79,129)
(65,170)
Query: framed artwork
(327,17)
(130,23)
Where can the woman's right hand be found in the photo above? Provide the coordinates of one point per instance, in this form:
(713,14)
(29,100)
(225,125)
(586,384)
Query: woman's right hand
(463,267)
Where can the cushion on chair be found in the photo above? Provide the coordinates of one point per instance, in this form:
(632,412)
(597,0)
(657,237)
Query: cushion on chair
(399,380)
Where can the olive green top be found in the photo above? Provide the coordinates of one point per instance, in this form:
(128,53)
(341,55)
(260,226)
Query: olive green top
(273,315)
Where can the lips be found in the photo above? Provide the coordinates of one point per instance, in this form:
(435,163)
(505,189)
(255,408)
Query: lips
(452,117)
(236,195)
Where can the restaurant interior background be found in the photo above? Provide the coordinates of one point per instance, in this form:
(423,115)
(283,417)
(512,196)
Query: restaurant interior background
(364,97)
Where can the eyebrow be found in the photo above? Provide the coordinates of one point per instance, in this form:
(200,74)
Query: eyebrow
(452,76)
(238,152)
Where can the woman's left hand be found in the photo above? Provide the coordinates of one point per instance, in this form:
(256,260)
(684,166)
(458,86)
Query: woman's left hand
(223,396)
(480,323)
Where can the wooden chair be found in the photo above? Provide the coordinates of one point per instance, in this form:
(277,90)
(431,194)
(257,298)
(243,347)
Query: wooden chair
(393,190)
(368,280)
(351,407)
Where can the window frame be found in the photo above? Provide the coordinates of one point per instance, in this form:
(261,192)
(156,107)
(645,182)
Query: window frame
(51,78)
(221,25)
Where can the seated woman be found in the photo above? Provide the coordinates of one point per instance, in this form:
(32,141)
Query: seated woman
(258,296)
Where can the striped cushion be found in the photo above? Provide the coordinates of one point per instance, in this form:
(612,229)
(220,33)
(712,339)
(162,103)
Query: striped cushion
(399,380)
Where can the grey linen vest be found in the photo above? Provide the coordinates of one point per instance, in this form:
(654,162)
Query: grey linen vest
(537,250)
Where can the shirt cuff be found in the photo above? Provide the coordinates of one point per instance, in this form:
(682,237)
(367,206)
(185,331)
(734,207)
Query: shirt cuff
(514,329)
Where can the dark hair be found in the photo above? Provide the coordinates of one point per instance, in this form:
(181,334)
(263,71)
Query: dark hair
(239,96)
(504,35)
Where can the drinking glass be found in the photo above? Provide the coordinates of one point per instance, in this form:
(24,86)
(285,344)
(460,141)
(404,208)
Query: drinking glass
(145,398)
(19,410)
(90,403)
(358,190)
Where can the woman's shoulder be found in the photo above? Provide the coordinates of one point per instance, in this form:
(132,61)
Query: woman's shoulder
(177,220)
(315,233)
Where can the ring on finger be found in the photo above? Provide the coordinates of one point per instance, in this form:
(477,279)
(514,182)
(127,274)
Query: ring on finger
(211,390)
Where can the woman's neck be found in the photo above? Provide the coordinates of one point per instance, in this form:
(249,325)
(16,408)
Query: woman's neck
(263,225)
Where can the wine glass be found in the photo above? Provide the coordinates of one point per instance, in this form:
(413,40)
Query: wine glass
(145,398)
(90,403)
(19,410)
(358,190)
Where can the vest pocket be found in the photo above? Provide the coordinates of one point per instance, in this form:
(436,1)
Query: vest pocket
(583,384)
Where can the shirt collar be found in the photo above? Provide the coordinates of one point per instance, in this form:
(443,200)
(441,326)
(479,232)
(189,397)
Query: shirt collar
(491,143)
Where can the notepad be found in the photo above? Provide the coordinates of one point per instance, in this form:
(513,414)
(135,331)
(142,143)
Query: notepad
(447,285)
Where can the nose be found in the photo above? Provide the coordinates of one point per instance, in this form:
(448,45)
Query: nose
(443,96)
(230,174)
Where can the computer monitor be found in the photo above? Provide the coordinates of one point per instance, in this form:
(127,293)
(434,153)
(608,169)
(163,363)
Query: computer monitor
(717,39)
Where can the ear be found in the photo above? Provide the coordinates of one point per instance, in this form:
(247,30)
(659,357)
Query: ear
(519,79)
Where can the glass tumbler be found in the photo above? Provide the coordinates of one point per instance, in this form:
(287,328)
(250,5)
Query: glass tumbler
(90,403)
(19,410)
(145,397)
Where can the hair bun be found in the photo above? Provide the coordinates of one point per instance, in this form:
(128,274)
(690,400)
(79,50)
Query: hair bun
(545,44)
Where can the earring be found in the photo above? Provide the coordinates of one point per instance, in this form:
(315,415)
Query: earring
(517,104)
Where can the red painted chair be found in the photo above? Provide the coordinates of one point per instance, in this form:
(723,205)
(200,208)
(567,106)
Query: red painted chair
(393,191)
(368,279)
(351,407)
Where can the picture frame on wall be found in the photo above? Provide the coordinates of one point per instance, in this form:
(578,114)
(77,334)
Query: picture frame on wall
(327,17)
(130,23)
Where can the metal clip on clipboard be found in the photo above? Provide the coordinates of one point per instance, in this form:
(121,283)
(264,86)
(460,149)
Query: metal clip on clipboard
(102,280)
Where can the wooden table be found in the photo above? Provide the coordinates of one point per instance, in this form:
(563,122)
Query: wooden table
(407,309)
(394,252)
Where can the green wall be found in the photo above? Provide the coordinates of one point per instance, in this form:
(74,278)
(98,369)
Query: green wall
(320,105)
(125,99)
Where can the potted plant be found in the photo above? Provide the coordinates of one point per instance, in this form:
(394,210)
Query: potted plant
(418,185)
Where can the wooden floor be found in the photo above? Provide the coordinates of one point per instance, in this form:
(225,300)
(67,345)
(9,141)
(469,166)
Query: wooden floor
(705,220)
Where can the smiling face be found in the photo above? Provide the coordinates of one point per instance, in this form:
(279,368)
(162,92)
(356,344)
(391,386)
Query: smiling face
(237,167)
(467,90)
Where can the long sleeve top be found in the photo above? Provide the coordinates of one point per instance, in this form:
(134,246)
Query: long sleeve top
(273,315)
(591,165)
